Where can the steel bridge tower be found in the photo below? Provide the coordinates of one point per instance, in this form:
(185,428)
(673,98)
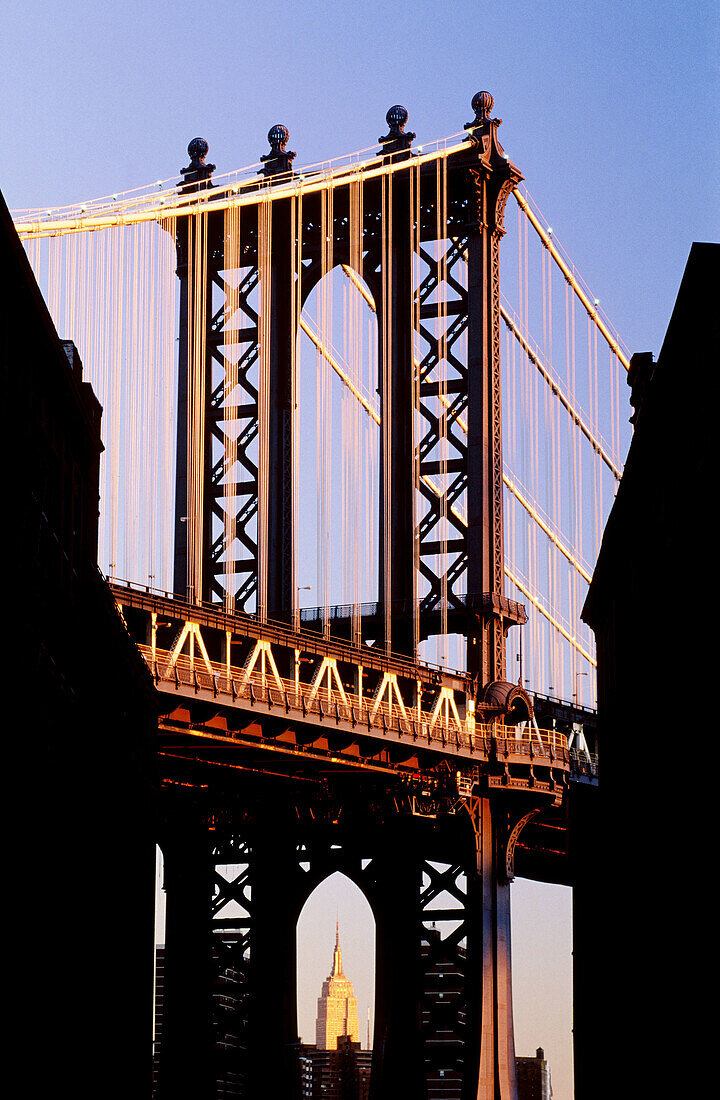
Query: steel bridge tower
(246,838)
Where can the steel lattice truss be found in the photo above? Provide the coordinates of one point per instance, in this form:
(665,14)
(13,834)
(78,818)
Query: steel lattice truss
(234,426)
(442,404)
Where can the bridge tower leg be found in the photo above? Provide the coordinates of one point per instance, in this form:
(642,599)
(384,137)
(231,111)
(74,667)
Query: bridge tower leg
(444,997)
(396,558)
(278,553)
(494,178)
(493,1036)
(208,383)
(193,456)
(398,1065)
(273,1066)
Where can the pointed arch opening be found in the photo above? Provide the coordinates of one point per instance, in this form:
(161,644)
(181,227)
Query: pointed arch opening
(336,913)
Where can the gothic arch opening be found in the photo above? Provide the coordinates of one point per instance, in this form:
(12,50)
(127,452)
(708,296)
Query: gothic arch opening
(336,911)
(337,443)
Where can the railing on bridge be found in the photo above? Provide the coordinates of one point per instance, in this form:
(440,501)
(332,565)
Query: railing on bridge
(271,670)
(445,725)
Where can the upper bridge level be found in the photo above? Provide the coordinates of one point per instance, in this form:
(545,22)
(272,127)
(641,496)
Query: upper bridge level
(338,343)
(301,702)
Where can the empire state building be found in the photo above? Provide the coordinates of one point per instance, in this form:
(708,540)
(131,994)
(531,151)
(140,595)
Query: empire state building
(337,1014)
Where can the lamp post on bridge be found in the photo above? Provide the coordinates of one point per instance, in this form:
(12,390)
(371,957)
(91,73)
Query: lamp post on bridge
(575,693)
(299,589)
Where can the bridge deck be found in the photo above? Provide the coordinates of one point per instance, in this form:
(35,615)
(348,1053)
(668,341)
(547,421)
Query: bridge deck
(246,694)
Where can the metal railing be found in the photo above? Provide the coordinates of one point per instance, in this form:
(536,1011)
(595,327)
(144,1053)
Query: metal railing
(380,718)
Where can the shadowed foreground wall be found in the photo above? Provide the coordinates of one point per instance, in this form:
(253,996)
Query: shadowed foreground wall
(653,606)
(80,852)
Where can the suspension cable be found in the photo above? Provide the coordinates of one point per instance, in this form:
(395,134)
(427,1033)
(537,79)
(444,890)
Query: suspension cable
(571,279)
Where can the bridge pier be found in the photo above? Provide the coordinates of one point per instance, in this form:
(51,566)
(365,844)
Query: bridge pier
(272,1049)
(494,1036)
(440,896)
(398,1066)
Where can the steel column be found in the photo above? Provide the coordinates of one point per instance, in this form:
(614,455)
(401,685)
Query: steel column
(272,1055)
(493,178)
(398,1065)
(396,372)
(278,552)
(193,236)
(496,1078)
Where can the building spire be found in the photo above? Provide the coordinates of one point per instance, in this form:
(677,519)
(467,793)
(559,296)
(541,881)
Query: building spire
(337,955)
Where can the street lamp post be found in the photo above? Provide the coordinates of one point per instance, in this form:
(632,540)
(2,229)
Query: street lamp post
(299,589)
(575,695)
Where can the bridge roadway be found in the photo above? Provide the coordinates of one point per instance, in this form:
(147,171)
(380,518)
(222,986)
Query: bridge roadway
(256,697)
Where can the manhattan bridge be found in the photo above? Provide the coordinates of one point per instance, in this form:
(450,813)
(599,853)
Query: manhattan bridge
(363,427)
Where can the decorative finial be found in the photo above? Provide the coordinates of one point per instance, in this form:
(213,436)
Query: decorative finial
(198,149)
(482,131)
(197,173)
(396,140)
(482,104)
(279,159)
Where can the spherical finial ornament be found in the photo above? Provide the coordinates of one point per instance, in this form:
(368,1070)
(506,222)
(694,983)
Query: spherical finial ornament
(278,136)
(279,160)
(198,173)
(396,118)
(482,104)
(397,143)
(198,149)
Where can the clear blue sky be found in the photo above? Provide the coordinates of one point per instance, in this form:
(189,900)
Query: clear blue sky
(611,111)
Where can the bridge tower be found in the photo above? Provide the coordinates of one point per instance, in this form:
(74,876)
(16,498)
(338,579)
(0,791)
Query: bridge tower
(244,851)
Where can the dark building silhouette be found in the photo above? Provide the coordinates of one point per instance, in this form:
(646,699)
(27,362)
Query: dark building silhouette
(158,1011)
(443,988)
(653,607)
(342,1073)
(227,1016)
(79,761)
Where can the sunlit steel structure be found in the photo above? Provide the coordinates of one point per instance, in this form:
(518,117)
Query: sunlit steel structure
(292,744)
(289,750)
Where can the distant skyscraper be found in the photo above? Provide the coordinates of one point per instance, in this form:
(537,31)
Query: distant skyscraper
(336,1068)
(337,1014)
